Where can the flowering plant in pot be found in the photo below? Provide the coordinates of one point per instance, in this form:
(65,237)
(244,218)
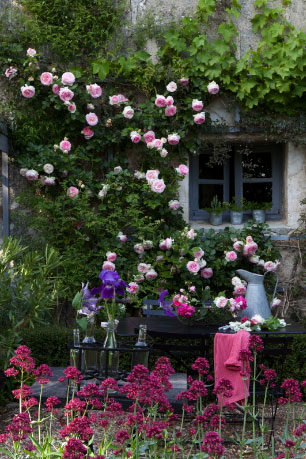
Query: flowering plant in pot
(215,211)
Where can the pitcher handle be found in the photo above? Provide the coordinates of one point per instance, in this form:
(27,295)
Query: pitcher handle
(276,284)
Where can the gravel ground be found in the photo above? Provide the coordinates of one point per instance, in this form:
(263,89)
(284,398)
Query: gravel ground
(6,414)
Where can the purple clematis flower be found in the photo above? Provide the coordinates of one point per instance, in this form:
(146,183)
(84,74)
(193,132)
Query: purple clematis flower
(89,302)
(111,285)
(166,305)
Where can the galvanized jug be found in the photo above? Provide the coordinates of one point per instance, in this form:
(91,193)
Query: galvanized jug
(256,294)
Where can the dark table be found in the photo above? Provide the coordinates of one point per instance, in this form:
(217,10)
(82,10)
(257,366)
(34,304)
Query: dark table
(171,327)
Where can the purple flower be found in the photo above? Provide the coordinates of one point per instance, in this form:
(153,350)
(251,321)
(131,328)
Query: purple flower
(166,305)
(89,302)
(111,285)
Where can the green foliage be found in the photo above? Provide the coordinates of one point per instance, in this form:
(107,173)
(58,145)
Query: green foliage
(29,289)
(80,28)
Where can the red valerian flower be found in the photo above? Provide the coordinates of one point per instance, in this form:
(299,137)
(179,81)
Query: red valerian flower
(74,449)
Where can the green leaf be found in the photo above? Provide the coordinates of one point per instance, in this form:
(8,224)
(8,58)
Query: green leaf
(5,451)
(220,46)
(77,301)
(83,322)
(227,31)
(142,55)
(101,68)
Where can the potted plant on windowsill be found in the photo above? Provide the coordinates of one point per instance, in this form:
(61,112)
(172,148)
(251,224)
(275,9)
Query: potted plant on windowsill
(236,208)
(259,210)
(215,211)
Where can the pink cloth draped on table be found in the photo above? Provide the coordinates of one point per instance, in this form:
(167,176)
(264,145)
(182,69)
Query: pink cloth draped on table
(227,365)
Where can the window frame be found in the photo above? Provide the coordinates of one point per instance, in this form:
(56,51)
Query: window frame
(277,158)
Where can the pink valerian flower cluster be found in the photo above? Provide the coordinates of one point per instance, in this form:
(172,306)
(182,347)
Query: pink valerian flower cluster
(269,376)
(72,373)
(256,343)
(212,445)
(22,360)
(79,427)
(20,427)
(201,365)
(224,388)
(196,390)
(292,391)
(41,374)
(74,449)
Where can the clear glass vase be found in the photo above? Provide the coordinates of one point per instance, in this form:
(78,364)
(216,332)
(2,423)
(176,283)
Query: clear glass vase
(109,359)
(89,361)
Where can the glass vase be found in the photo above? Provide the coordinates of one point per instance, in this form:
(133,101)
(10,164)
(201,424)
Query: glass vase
(109,359)
(89,361)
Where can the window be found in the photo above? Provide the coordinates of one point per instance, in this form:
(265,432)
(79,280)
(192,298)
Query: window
(253,171)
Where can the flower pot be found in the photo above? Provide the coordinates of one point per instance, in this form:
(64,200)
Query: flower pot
(259,215)
(215,219)
(236,217)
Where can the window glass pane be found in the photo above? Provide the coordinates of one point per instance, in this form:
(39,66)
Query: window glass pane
(207,192)
(257,165)
(258,192)
(214,173)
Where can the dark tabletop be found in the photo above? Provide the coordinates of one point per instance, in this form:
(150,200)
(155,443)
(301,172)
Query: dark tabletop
(172,327)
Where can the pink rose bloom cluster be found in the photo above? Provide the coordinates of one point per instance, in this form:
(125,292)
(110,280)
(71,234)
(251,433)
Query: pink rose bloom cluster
(92,119)
(166,244)
(237,304)
(186,310)
(68,78)
(184,81)
(149,136)
(71,106)
(174,205)
(182,170)
(122,237)
(239,286)
(168,102)
(193,267)
(31,175)
(72,192)
(46,78)
(94,90)
(65,94)
(132,288)
(221,302)
(157,185)
(207,273)
(31,52)
(135,137)
(199,118)
(108,265)
(47,181)
(117,99)
(87,132)
(28,91)
(171,87)
(65,145)
(173,139)
(197,105)
(231,256)
(111,256)
(128,112)
(143,268)
(271,265)
(213,88)
(10,72)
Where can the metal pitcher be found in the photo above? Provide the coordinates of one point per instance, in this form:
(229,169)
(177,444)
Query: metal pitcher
(256,294)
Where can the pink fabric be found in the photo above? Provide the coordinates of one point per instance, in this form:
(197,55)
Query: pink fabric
(227,365)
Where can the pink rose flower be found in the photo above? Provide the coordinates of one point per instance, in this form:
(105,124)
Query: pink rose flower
(157,143)
(122,237)
(276,302)
(199,118)
(213,87)
(72,192)
(191,234)
(31,52)
(46,78)
(94,90)
(92,119)
(231,256)
(166,244)
(238,245)
(28,91)
(236,280)
(163,153)
(132,288)
(151,175)
(56,89)
(221,301)
(239,289)
(72,107)
(108,265)
(174,205)
(111,256)
(160,101)
(118,169)
(149,136)
(198,253)
(122,98)
(270,266)
(206,273)
(88,132)
(183,169)
(143,268)
(170,110)
(150,145)
(186,310)
(170,100)
(49,181)
(151,274)
(128,112)
(248,239)
(114,100)
(10,72)
(193,267)
(135,137)
(65,94)
(184,81)
(65,145)
(31,175)
(173,139)
(254,259)
(250,249)
(139,248)
(158,186)
(48,168)
(171,87)
(197,105)
(23,171)
(68,78)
